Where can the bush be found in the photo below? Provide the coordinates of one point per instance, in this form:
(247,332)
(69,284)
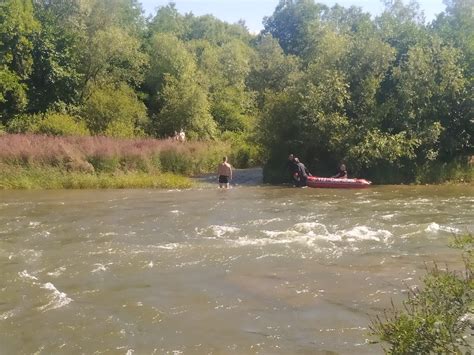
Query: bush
(114,109)
(172,161)
(120,129)
(434,318)
(58,124)
(244,152)
(104,163)
(136,163)
(23,123)
(457,170)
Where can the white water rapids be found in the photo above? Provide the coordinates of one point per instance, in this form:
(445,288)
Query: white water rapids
(255,269)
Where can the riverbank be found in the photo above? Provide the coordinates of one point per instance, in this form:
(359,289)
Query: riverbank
(53,179)
(45,162)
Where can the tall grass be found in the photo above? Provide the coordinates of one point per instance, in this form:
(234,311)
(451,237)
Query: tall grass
(39,161)
(109,154)
(54,178)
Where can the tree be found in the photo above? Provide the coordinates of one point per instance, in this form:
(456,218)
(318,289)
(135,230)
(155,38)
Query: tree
(18,26)
(112,56)
(456,26)
(116,106)
(186,107)
(291,22)
(55,73)
(168,56)
(271,69)
(167,20)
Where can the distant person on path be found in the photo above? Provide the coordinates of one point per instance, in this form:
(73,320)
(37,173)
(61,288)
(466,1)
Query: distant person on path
(303,173)
(292,169)
(224,172)
(342,173)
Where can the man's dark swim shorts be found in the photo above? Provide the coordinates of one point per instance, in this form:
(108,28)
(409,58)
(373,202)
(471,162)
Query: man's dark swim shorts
(223,179)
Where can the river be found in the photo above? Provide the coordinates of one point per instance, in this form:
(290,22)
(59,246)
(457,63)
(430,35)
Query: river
(253,269)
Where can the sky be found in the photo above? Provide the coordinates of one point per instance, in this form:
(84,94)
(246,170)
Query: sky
(253,11)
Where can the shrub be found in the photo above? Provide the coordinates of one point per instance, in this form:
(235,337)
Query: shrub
(59,124)
(458,170)
(114,109)
(120,129)
(136,163)
(104,163)
(172,161)
(244,152)
(23,123)
(434,318)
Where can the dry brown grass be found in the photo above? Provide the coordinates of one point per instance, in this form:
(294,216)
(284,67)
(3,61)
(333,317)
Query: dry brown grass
(75,153)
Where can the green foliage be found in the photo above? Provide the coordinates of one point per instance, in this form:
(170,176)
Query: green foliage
(13,97)
(122,129)
(244,151)
(104,163)
(392,96)
(186,107)
(291,23)
(195,161)
(110,46)
(271,69)
(172,161)
(18,27)
(436,172)
(382,147)
(433,319)
(57,124)
(114,110)
(51,178)
(23,123)
(55,74)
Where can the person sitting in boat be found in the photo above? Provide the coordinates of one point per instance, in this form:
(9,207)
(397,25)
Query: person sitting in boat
(303,173)
(342,173)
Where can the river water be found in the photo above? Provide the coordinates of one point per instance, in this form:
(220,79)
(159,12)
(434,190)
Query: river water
(254,269)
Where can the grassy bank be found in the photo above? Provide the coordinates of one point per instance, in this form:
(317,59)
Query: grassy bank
(53,178)
(44,162)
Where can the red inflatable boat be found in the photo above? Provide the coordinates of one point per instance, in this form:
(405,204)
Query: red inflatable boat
(315,181)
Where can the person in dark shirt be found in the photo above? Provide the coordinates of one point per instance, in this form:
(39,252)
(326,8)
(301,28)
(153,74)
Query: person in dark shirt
(292,168)
(303,173)
(342,173)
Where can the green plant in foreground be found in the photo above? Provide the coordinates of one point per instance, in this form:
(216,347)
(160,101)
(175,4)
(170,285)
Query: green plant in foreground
(434,319)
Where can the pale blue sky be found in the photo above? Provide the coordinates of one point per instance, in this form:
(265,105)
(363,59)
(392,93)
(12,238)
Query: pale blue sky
(253,11)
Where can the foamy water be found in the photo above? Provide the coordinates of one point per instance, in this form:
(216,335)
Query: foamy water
(249,270)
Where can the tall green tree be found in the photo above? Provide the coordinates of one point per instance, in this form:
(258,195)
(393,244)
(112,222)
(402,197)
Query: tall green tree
(55,76)
(18,27)
(291,24)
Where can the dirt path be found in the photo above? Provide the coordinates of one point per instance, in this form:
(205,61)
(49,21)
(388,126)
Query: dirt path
(253,176)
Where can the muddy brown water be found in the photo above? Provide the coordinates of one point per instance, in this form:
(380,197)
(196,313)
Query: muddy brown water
(254,269)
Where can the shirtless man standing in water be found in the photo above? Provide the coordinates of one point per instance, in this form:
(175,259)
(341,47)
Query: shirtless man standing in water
(225,173)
